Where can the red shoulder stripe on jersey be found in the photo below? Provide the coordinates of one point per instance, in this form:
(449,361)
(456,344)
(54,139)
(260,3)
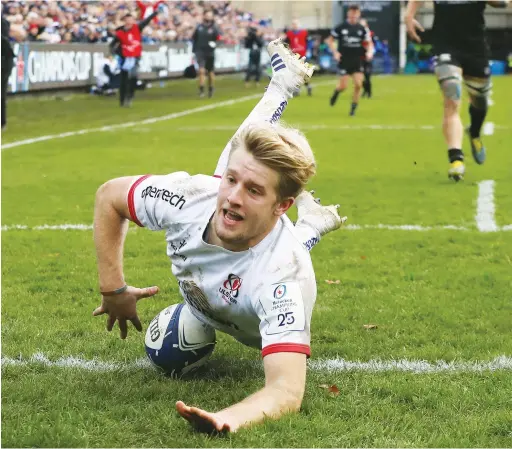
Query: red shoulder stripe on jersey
(131,202)
(286,347)
(217,176)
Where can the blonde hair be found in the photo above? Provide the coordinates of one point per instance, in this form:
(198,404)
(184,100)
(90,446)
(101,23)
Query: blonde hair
(285,150)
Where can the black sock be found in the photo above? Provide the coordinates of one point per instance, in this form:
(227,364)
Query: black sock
(201,89)
(477,120)
(353,108)
(335,94)
(454,154)
(210,89)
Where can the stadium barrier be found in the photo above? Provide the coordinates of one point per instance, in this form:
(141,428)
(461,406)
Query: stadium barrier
(41,66)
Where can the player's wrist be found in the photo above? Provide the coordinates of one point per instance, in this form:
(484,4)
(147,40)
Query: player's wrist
(114,292)
(110,286)
(225,416)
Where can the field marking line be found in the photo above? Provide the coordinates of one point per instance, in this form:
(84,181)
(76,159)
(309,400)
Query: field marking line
(348,227)
(500,363)
(488,128)
(147,121)
(485,207)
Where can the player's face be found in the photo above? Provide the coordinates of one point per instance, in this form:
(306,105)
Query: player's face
(129,22)
(247,205)
(353,16)
(208,17)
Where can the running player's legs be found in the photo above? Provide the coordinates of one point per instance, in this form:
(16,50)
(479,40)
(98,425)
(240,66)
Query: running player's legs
(210,68)
(449,77)
(201,61)
(342,84)
(357,82)
(367,83)
(478,83)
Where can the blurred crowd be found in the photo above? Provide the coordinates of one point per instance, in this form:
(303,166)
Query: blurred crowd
(95,21)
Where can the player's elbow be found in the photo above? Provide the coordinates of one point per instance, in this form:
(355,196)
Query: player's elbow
(106,194)
(104,191)
(291,395)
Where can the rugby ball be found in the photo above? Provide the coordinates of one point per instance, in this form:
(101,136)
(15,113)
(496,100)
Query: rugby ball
(177,343)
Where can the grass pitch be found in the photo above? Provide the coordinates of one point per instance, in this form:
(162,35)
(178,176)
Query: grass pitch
(435,294)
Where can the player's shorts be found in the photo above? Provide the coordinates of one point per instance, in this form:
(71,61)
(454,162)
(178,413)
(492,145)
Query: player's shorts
(206,61)
(367,66)
(472,64)
(350,66)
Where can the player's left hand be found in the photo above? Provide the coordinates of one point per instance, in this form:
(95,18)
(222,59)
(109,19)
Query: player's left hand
(202,420)
(369,56)
(413,26)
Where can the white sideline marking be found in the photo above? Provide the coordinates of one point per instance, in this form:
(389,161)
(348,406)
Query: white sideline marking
(500,363)
(488,129)
(130,124)
(485,207)
(140,122)
(349,227)
(45,227)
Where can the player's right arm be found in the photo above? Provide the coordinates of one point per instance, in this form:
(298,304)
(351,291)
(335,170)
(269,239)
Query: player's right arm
(411,23)
(150,201)
(111,215)
(332,44)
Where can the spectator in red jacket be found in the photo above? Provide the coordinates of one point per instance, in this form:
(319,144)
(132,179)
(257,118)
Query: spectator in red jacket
(297,39)
(127,44)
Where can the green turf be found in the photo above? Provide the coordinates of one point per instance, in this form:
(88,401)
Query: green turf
(435,295)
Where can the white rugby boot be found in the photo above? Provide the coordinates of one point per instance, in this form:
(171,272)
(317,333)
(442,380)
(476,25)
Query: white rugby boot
(289,70)
(323,219)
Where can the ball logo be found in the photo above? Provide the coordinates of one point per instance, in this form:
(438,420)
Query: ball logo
(280,291)
(154,329)
(233,284)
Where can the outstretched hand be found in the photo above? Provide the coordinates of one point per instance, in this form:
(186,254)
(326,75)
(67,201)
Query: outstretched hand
(413,26)
(123,308)
(202,420)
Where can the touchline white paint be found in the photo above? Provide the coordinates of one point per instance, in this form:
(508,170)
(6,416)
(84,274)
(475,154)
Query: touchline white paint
(485,207)
(500,363)
(147,121)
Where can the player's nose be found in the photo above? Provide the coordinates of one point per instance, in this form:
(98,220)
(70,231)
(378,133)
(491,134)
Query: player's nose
(235,196)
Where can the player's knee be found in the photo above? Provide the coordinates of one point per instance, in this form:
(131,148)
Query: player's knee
(450,82)
(479,91)
(452,91)
(451,106)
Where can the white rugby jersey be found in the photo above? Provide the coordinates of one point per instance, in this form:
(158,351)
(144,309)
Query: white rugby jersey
(263,297)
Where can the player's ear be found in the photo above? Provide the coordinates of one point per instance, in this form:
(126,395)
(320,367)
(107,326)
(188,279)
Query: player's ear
(283,205)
